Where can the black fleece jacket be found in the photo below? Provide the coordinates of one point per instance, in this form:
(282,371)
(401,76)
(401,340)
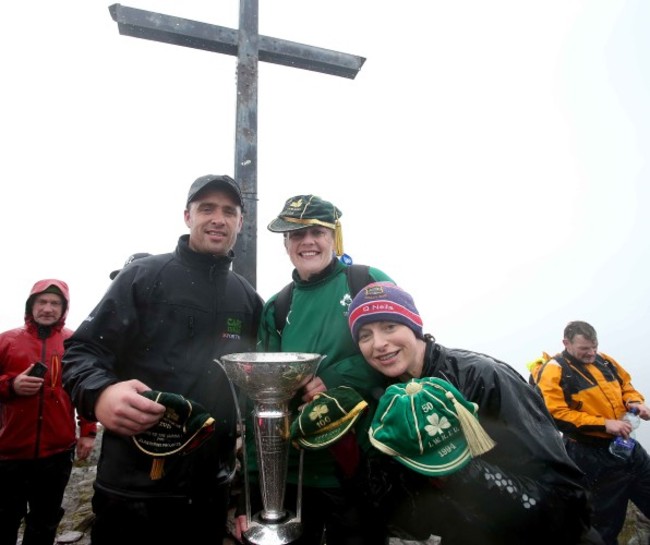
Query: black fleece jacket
(163,321)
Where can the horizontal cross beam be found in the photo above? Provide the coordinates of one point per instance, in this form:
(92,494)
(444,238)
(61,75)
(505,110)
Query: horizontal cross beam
(185,32)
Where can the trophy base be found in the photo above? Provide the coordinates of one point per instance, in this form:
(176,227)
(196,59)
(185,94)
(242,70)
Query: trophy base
(282,532)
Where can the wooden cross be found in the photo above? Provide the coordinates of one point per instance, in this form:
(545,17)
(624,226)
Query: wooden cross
(249,47)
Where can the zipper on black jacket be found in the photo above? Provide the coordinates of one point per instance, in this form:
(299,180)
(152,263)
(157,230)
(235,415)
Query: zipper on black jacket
(190,326)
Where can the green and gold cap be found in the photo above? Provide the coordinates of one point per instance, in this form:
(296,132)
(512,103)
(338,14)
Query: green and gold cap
(327,418)
(304,211)
(184,427)
(427,425)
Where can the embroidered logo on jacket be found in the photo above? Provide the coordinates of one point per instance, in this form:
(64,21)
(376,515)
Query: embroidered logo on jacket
(233,329)
(345,303)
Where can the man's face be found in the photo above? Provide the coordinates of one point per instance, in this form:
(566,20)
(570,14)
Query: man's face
(215,220)
(582,349)
(47,308)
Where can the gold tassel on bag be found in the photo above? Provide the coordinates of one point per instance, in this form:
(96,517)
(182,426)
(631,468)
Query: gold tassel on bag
(478,441)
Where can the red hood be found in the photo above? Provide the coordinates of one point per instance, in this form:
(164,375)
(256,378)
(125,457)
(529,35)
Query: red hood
(41,286)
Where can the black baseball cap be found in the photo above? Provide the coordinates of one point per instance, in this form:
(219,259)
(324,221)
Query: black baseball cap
(216,182)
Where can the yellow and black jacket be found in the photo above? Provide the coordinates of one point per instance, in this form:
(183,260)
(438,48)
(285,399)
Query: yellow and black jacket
(580,397)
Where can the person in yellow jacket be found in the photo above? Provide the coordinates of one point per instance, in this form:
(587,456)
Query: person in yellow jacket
(587,393)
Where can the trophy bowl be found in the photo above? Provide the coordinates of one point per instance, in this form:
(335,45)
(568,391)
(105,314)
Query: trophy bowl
(270,376)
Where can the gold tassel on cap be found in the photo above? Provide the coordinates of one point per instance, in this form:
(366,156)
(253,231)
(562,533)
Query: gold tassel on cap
(338,238)
(478,441)
(157,470)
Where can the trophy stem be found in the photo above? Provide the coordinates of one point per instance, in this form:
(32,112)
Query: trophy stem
(271,426)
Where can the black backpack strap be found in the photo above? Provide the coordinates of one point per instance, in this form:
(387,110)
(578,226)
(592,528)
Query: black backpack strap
(358,278)
(609,366)
(282,304)
(567,381)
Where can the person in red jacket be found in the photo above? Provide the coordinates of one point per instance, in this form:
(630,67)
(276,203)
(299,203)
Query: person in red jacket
(38,428)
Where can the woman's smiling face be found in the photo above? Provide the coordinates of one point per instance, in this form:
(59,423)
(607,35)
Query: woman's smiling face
(310,249)
(391,348)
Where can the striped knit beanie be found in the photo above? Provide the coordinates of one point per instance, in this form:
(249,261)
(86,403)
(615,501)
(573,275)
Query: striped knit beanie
(383,302)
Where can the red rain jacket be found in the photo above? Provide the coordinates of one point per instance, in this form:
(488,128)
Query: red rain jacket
(43,424)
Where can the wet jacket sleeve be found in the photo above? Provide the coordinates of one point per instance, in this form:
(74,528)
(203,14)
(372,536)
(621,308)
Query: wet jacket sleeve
(90,358)
(87,428)
(512,505)
(630,394)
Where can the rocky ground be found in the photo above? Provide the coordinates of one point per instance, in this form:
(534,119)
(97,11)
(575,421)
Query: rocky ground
(78,518)
(636,530)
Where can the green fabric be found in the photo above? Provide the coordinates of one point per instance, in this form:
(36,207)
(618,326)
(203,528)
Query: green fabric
(327,417)
(51,289)
(317,323)
(303,211)
(417,423)
(184,426)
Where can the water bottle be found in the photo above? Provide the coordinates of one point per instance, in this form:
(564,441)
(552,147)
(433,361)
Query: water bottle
(620,447)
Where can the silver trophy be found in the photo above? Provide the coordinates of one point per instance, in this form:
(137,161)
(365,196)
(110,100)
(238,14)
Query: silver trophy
(271,379)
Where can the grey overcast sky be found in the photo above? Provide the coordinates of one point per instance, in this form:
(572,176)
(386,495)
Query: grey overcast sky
(492,157)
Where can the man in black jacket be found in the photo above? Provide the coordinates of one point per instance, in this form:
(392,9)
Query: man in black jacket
(160,326)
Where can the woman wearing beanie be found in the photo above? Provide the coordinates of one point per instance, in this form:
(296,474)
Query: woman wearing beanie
(316,322)
(521,488)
